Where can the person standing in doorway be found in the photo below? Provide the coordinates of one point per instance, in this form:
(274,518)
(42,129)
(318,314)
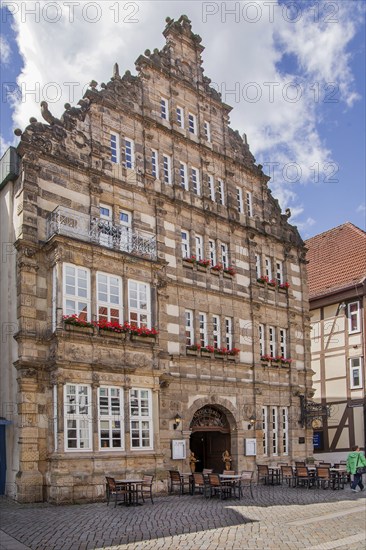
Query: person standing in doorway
(356,460)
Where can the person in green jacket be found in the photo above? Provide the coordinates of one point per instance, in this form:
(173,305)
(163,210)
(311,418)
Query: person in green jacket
(356,460)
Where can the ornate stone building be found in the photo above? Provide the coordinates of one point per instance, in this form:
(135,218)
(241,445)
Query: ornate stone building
(142,205)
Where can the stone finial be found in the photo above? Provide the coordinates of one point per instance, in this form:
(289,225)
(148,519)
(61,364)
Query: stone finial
(288,213)
(93,84)
(18,132)
(116,71)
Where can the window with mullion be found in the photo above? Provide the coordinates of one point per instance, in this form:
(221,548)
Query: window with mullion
(111,421)
(285,439)
(216,331)
(183,175)
(274,431)
(186,249)
(221,192)
(212,251)
(265,430)
(199,247)
(211,187)
(76,291)
(164,108)
(229,332)
(139,304)
(109,298)
(249,204)
(192,123)
(268,267)
(77,417)
(225,255)
(262,343)
(154,164)
(203,329)
(196,185)
(207,130)
(114,148)
(180,116)
(272,341)
(167,169)
(279,272)
(258,266)
(129,153)
(189,330)
(239,200)
(283,342)
(141,419)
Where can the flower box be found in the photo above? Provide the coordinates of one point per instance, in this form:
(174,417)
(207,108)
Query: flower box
(219,355)
(146,339)
(228,275)
(191,351)
(206,353)
(188,264)
(215,272)
(201,267)
(79,329)
(112,334)
(231,357)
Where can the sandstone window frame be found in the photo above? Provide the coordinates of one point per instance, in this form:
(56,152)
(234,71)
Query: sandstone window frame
(114,145)
(211,187)
(224,255)
(212,252)
(279,272)
(221,192)
(142,296)
(216,331)
(274,425)
(125,221)
(268,267)
(141,418)
(180,116)
(272,341)
(183,172)
(265,430)
(202,317)
(249,203)
(195,179)
(185,244)
(239,200)
(192,123)
(189,327)
(167,169)
(229,332)
(164,108)
(283,342)
(199,248)
(108,303)
(129,153)
(258,265)
(82,292)
(78,411)
(155,164)
(262,339)
(106,217)
(207,130)
(285,431)
(112,415)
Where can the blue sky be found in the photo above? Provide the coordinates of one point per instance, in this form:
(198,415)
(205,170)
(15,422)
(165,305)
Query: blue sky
(294,73)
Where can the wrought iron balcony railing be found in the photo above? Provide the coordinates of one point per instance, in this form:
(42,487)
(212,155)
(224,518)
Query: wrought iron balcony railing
(64,221)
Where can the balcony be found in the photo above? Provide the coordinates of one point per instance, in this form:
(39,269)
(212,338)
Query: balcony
(64,221)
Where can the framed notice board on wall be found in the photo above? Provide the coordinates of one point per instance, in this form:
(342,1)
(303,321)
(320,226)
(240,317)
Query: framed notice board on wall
(250,447)
(179,449)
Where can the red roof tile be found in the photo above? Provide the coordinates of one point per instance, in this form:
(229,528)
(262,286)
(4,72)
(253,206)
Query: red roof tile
(337,259)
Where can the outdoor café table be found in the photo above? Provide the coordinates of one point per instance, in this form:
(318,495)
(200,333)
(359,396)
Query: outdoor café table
(338,477)
(233,480)
(133,486)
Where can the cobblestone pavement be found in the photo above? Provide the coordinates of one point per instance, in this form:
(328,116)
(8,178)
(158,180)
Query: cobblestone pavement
(277,518)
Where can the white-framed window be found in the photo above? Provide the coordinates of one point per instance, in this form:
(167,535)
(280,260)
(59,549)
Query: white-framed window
(207,130)
(114,147)
(180,116)
(265,430)
(258,266)
(192,123)
(239,200)
(141,419)
(167,169)
(274,431)
(76,291)
(189,327)
(196,185)
(355,365)
(279,272)
(154,164)
(272,341)
(186,249)
(216,331)
(248,198)
(262,342)
(203,329)
(125,220)
(129,153)
(285,439)
(199,247)
(283,342)
(211,187)
(229,332)
(139,304)
(183,175)
(221,192)
(353,310)
(111,420)
(268,267)
(78,417)
(225,255)
(106,220)
(212,252)
(164,108)
(109,298)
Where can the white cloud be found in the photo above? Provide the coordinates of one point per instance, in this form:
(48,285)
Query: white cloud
(237,53)
(5,51)
(361,208)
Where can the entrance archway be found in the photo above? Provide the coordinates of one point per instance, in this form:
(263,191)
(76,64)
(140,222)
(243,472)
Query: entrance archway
(210,437)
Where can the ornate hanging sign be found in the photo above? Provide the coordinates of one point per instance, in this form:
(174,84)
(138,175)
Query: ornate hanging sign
(209,418)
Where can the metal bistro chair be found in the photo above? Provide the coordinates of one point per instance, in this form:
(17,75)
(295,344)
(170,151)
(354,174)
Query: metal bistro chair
(146,487)
(263,473)
(323,478)
(198,483)
(177,480)
(245,481)
(115,490)
(217,487)
(303,477)
(301,464)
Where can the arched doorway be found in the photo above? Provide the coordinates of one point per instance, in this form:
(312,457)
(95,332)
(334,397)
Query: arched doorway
(210,437)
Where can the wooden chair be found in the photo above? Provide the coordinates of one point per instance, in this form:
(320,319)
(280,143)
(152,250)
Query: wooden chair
(146,487)
(263,473)
(206,471)
(301,464)
(287,474)
(228,472)
(323,478)
(246,480)
(177,480)
(115,490)
(216,486)
(326,464)
(303,477)
(198,483)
